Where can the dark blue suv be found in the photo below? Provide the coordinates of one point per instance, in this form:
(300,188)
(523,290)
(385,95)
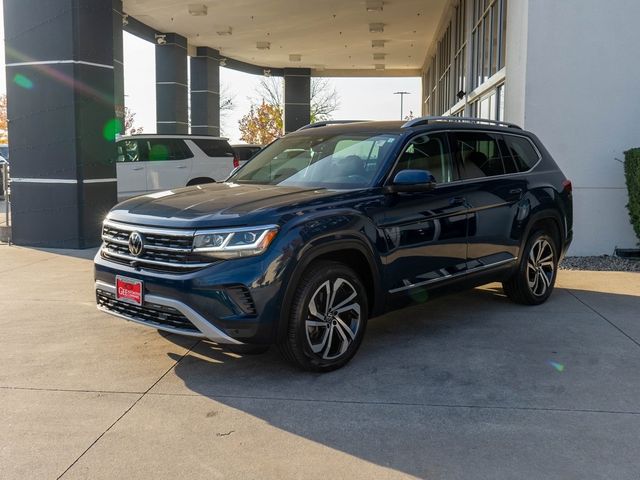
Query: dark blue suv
(334,224)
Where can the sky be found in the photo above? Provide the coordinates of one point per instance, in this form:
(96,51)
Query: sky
(360,98)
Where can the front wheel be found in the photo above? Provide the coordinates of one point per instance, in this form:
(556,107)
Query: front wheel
(535,278)
(328,318)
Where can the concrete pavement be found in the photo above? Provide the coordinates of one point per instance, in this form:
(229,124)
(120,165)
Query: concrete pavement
(465,386)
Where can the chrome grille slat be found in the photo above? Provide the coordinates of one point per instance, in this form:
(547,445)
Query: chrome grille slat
(164,249)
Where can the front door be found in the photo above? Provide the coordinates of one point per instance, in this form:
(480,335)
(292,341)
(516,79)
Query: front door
(426,232)
(131,170)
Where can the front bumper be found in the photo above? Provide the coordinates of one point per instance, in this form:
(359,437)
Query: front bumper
(231,302)
(150,315)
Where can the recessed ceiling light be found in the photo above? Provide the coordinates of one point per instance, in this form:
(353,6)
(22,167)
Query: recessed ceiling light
(376,27)
(295,57)
(263,45)
(377,43)
(379,56)
(197,10)
(374,5)
(224,33)
(379,66)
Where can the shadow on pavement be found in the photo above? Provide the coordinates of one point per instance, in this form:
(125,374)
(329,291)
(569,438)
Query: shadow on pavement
(469,352)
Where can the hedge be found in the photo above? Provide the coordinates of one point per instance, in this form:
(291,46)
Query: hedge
(632,174)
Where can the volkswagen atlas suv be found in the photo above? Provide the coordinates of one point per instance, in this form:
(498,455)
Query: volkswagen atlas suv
(335,224)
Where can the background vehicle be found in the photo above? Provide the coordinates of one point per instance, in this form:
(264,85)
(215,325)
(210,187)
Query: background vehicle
(334,224)
(151,163)
(245,151)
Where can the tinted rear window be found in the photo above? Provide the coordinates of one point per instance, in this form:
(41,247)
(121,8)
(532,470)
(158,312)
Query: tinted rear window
(214,148)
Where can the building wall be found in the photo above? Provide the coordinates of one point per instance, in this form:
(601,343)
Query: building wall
(572,78)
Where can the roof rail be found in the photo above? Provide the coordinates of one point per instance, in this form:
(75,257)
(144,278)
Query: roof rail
(328,122)
(426,120)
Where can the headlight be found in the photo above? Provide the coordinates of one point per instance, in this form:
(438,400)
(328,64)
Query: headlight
(233,243)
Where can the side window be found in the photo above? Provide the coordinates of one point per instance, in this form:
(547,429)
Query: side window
(478,153)
(520,152)
(128,151)
(214,148)
(164,149)
(428,152)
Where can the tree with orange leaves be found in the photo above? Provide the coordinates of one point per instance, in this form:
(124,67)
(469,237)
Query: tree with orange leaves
(262,124)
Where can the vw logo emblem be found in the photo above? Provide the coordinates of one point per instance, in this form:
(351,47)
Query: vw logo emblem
(136,244)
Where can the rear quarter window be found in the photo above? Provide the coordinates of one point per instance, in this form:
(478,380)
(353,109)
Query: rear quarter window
(520,152)
(214,148)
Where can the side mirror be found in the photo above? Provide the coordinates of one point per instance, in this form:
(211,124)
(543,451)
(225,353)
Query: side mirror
(412,181)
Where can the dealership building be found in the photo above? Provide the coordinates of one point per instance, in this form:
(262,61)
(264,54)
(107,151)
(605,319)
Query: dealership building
(568,70)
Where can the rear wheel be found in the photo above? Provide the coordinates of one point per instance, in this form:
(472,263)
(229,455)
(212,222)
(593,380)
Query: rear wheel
(328,318)
(535,278)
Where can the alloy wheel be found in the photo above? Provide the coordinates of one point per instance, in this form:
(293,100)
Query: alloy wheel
(333,318)
(540,267)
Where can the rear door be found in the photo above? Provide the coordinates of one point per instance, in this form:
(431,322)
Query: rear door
(426,231)
(131,169)
(492,194)
(169,163)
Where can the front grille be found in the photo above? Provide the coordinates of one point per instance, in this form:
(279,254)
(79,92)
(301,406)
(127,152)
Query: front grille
(151,314)
(168,250)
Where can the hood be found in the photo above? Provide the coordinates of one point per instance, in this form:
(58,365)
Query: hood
(215,204)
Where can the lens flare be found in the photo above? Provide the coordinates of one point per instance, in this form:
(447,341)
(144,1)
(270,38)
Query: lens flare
(558,366)
(112,129)
(23,81)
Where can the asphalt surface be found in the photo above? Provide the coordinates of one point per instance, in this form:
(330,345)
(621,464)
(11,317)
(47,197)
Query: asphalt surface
(469,386)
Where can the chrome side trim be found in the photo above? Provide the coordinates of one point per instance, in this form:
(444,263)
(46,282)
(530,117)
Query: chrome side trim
(452,275)
(142,261)
(207,330)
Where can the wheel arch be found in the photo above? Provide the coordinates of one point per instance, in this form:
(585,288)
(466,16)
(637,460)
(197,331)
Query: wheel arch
(353,253)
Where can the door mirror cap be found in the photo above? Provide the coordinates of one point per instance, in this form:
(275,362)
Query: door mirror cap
(412,181)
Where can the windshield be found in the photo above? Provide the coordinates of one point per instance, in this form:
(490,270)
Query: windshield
(340,161)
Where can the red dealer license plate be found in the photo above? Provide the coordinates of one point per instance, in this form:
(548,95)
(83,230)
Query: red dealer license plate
(129,290)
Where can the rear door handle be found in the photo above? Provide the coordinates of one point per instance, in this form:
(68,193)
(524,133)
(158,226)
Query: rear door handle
(137,168)
(182,166)
(515,191)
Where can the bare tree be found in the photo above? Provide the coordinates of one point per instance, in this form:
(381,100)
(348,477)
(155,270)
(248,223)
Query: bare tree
(324,97)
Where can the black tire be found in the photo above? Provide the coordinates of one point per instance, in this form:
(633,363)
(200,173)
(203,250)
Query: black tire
(248,349)
(314,347)
(533,282)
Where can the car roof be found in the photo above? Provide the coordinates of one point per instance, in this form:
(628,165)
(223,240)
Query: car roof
(162,135)
(250,145)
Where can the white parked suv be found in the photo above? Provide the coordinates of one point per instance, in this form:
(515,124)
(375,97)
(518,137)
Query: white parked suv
(150,163)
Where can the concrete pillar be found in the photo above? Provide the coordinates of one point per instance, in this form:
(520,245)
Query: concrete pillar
(575,88)
(172,114)
(297,98)
(205,92)
(118,60)
(60,88)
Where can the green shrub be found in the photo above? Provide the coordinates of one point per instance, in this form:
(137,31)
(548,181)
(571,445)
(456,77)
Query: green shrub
(632,173)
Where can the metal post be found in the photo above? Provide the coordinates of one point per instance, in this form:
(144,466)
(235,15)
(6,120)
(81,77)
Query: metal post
(7,200)
(402,94)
